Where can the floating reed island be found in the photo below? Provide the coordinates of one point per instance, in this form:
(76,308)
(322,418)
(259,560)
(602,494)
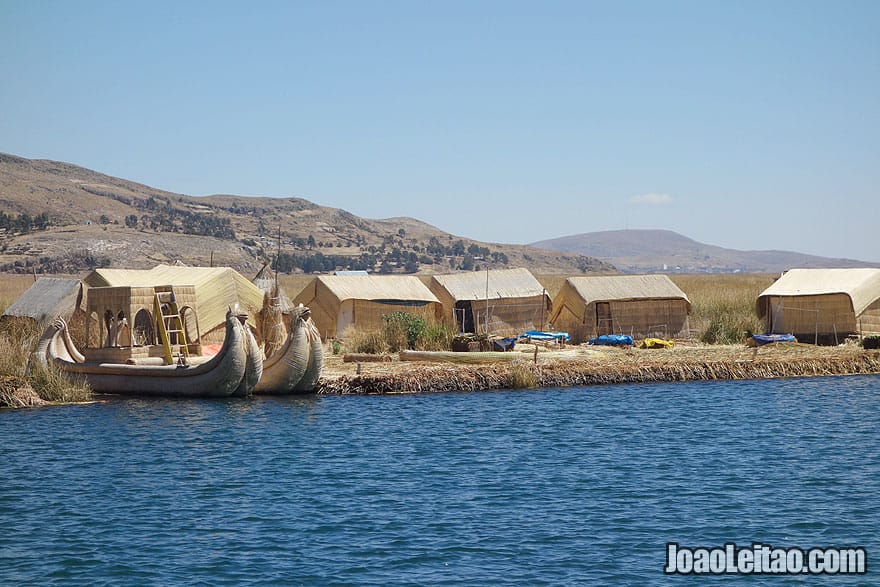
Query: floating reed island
(578,366)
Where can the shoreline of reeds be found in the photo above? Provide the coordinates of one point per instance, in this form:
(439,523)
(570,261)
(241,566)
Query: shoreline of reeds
(24,387)
(440,378)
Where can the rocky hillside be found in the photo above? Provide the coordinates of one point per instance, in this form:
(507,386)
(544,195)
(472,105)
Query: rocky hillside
(60,218)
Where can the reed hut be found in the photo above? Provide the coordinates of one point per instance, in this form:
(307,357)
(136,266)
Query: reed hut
(637,305)
(216,290)
(338,302)
(46,299)
(822,305)
(505,301)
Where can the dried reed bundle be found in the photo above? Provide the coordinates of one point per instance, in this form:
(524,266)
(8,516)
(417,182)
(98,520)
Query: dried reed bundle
(459,358)
(271,321)
(15,392)
(624,368)
(365,358)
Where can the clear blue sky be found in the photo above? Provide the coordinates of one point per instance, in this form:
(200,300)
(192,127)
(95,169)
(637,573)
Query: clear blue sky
(746,124)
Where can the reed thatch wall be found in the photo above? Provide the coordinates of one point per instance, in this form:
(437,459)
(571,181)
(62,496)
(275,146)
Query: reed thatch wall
(47,299)
(822,303)
(340,302)
(637,305)
(810,315)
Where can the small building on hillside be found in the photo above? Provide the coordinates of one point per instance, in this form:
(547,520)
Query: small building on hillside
(339,302)
(506,301)
(822,305)
(637,305)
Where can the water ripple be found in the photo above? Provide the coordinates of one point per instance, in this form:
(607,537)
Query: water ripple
(563,486)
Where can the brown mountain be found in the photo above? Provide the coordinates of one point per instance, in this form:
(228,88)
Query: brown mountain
(647,251)
(60,218)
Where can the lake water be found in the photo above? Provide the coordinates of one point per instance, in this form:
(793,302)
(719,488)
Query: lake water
(574,486)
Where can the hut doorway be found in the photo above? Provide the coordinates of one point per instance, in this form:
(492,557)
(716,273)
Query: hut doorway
(604,322)
(464,316)
(143,328)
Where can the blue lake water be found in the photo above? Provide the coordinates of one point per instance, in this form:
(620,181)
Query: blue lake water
(574,486)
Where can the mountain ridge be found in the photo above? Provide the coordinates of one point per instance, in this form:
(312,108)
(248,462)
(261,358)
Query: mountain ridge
(62,218)
(660,250)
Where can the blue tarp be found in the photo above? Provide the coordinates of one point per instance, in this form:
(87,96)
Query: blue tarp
(546,336)
(612,340)
(768,338)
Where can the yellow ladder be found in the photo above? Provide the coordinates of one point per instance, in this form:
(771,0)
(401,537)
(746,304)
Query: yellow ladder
(170,323)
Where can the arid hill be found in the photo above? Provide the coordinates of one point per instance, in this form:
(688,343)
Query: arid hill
(652,251)
(60,218)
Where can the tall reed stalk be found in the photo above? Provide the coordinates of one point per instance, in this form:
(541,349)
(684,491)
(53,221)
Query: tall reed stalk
(18,339)
(723,306)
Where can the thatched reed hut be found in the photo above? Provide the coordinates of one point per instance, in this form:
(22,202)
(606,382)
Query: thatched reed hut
(637,305)
(216,290)
(822,305)
(338,302)
(46,299)
(505,301)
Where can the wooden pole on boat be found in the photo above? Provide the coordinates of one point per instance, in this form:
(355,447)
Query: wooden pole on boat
(277,259)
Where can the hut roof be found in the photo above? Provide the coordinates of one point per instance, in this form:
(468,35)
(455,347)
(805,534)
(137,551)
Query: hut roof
(503,283)
(602,288)
(377,287)
(217,288)
(46,299)
(861,284)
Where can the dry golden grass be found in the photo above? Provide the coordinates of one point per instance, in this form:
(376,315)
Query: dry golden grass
(723,305)
(11,287)
(523,375)
(18,339)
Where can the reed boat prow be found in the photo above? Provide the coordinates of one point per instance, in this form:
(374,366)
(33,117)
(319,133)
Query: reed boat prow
(296,365)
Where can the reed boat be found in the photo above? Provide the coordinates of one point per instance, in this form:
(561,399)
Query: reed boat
(157,357)
(296,365)
(293,351)
(233,371)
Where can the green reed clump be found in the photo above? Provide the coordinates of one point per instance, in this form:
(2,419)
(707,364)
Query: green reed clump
(18,340)
(436,336)
(53,385)
(729,327)
(723,306)
(400,331)
(405,331)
